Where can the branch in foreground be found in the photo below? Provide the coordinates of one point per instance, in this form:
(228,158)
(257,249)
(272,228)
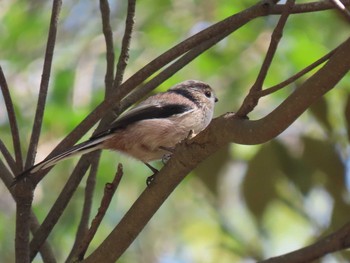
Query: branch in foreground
(221,131)
(109,191)
(336,241)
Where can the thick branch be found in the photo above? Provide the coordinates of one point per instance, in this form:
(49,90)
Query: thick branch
(24,193)
(221,131)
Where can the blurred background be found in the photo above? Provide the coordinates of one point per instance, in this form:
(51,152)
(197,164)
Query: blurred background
(242,204)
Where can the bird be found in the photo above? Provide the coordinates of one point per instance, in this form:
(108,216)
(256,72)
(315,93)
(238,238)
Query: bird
(150,130)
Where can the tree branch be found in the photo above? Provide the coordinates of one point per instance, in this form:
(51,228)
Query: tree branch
(108,34)
(46,252)
(251,101)
(38,119)
(11,163)
(307,7)
(293,78)
(60,205)
(24,192)
(109,191)
(12,120)
(85,216)
(342,8)
(124,52)
(221,131)
(226,26)
(336,241)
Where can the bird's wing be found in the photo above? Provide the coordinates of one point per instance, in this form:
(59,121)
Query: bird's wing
(144,112)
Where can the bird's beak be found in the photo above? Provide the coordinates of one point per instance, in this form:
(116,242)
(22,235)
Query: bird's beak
(216,99)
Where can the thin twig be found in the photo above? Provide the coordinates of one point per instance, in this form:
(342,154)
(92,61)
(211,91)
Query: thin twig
(86,211)
(38,119)
(12,120)
(124,52)
(8,158)
(109,191)
(250,101)
(5,175)
(293,78)
(342,8)
(108,34)
(60,205)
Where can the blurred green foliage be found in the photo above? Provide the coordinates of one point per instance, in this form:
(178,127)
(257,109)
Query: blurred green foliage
(243,203)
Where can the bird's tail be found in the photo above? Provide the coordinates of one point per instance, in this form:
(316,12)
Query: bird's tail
(82,148)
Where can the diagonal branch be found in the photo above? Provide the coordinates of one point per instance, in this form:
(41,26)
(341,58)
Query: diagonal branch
(109,191)
(8,157)
(293,78)
(38,119)
(221,131)
(12,120)
(251,101)
(336,241)
(86,211)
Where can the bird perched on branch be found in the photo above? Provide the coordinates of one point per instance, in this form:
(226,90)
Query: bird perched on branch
(151,129)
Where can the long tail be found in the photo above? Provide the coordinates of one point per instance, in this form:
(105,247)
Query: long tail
(80,149)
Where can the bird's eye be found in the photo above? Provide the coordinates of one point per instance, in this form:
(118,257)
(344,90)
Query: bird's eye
(207,94)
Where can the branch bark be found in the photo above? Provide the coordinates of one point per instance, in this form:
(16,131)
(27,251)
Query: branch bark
(336,241)
(221,131)
(38,119)
(13,122)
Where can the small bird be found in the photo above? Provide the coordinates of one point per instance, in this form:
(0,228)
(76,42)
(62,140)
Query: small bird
(150,130)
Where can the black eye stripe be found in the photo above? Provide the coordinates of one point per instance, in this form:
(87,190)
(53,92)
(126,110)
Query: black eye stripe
(185,93)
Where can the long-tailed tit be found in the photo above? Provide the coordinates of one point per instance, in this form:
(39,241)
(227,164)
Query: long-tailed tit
(150,130)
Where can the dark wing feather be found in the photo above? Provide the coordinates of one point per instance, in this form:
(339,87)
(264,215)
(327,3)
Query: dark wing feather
(145,112)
